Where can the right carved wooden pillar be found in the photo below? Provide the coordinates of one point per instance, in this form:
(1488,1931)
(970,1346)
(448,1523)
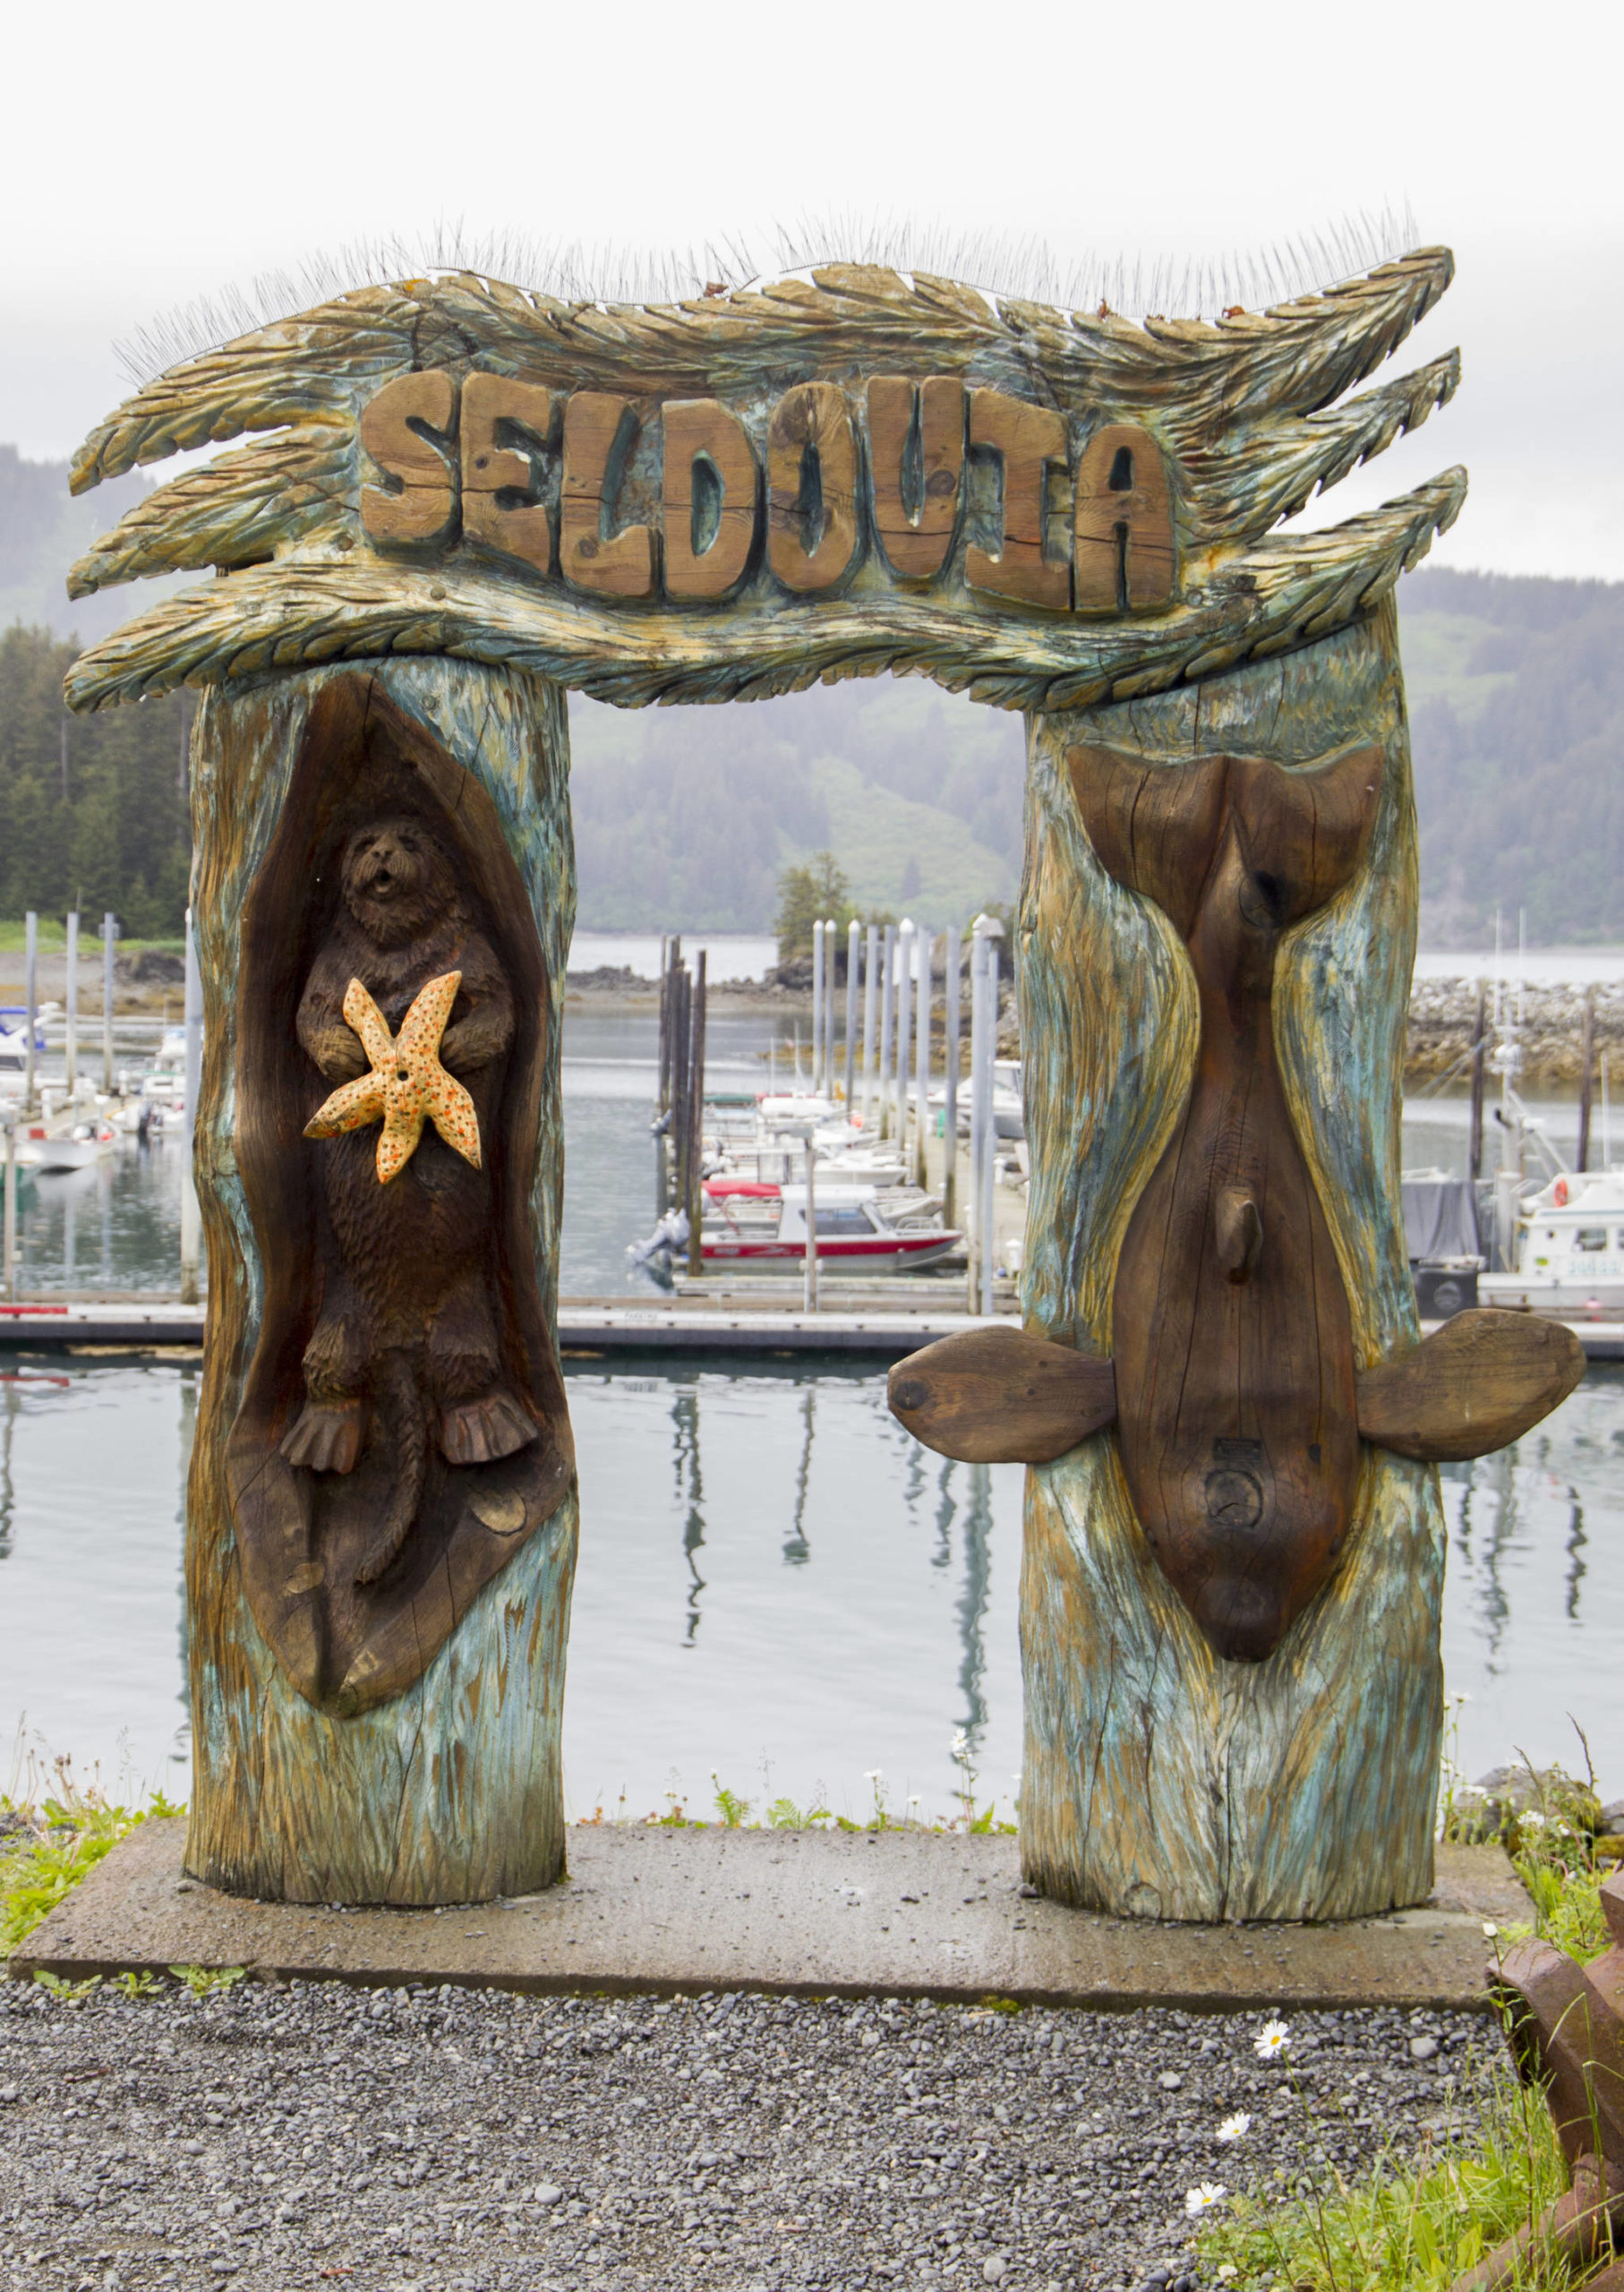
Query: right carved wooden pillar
(1162,1778)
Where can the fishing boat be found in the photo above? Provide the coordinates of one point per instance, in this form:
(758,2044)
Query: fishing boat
(13,1038)
(861,1227)
(64,1146)
(1568,1251)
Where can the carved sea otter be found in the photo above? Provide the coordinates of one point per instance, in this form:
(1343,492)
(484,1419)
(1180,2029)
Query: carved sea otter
(1233,1387)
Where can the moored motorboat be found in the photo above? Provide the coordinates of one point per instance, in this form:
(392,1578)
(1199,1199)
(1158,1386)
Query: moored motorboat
(1569,1249)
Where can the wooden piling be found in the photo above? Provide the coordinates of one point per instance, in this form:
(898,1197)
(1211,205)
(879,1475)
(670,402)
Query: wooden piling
(1587,1059)
(1474,1150)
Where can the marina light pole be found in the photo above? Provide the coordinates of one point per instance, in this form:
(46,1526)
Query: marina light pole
(31,959)
(905,1012)
(887,1004)
(831,942)
(72,998)
(950,1078)
(921,1052)
(109,940)
(871,970)
(817,1005)
(853,935)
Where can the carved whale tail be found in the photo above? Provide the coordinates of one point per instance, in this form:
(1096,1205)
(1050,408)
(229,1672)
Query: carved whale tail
(1162,829)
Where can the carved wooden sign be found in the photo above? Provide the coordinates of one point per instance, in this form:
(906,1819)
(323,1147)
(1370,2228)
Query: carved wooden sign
(665,500)
(458,498)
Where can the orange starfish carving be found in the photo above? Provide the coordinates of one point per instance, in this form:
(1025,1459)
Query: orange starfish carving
(407,1084)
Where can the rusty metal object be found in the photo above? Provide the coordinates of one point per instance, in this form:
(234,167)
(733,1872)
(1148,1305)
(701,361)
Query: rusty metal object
(1565,2026)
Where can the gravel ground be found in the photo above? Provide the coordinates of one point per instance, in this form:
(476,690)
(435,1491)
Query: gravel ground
(278,2135)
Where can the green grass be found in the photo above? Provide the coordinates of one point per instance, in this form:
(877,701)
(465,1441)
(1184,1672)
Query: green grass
(1414,2222)
(68,1835)
(54,937)
(1408,2225)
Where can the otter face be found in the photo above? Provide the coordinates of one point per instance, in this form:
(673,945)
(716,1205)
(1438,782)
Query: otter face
(396,880)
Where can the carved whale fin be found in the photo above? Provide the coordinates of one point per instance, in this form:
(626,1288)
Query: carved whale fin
(1475,1384)
(999,1395)
(1157,828)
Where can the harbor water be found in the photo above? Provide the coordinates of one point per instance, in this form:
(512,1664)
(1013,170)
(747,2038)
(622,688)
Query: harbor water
(778,1589)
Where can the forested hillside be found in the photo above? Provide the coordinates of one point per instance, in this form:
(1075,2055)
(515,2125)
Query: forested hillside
(92,808)
(686,817)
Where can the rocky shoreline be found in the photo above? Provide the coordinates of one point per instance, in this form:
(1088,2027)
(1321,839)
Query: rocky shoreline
(1443,1018)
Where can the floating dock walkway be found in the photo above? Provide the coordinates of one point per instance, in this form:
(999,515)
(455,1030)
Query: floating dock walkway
(589,1328)
(878,1328)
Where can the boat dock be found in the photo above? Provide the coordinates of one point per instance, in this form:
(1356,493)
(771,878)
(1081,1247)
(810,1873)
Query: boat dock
(589,1328)
(862,1327)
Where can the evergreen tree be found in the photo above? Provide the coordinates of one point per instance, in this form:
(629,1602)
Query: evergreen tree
(93,810)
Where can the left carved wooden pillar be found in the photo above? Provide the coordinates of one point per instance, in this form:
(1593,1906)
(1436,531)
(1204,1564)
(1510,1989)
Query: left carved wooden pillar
(382,1516)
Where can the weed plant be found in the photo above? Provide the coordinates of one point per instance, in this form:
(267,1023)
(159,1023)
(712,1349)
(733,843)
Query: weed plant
(46,1846)
(1416,2220)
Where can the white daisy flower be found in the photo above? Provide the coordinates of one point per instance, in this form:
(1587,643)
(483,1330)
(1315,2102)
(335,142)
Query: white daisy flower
(1236,2127)
(1202,2199)
(1271,2041)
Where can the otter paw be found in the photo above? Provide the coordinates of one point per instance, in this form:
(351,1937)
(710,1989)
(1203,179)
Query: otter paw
(380,1556)
(326,1436)
(479,1432)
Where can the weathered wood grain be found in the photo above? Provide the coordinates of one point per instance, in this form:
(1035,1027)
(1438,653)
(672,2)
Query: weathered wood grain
(1476,1384)
(1125,553)
(998,1396)
(299,613)
(812,478)
(599,428)
(1231,1334)
(520,528)
(1240,413)
(449,1791)
(1029,440)
(419,503)
(1159,1779)
(705,440)
(917,510)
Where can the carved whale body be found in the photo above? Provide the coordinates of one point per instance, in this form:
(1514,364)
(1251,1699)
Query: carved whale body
(1238,1402)
(1233,1339)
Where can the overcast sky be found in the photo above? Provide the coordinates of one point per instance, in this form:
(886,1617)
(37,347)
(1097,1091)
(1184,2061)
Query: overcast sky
(156,156)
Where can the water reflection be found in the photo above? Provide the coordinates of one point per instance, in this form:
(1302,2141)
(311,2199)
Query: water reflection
(777,1586)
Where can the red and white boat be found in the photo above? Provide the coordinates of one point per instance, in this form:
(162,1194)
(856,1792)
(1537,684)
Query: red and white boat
(749,1221)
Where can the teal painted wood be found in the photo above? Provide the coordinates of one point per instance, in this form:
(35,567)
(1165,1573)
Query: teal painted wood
(451,1792)
(1158,1779)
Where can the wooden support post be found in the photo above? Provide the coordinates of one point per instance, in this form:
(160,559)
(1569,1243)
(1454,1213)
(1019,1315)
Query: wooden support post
(390,1737)
(980,1114)
(1587,1059)
(950,1067)
(1160,1779)
(190,1207)
(1480,1059)
(695,1201)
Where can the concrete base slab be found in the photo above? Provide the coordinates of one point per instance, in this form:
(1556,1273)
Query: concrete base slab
(820,1912)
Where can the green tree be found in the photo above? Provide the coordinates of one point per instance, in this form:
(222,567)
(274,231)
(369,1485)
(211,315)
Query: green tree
(805,894)
(93,811)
